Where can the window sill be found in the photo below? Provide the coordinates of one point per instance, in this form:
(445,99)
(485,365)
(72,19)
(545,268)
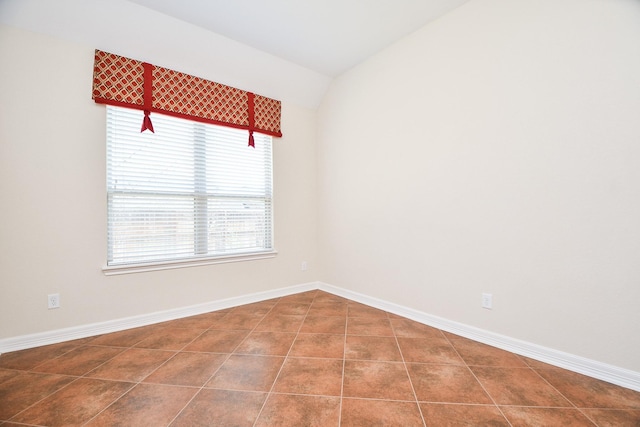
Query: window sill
(112,270)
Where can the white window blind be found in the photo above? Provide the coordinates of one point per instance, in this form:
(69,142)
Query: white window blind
(190,190)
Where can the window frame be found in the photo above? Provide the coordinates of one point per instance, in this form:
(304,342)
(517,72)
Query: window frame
(201,252)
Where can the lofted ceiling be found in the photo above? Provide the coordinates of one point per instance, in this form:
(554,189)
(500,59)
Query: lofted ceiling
(326,36)
(284,49)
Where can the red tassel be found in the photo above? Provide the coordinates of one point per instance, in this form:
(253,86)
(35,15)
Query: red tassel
(250,108)
(146,122)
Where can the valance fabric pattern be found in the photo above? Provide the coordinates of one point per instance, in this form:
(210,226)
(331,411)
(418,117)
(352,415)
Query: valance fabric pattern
(135,84)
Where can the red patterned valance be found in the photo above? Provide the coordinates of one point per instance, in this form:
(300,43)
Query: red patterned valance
(129,83)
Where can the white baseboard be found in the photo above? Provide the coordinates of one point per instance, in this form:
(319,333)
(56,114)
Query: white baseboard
(602,371)
(612,374)
(93,329)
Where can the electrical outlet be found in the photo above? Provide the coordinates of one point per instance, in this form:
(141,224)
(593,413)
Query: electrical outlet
(53,301)
(487,301)
(304,266)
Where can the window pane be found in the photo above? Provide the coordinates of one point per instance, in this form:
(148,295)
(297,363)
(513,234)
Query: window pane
(143,161)
(151,228)
(233,169)
(189,190)
(237,225)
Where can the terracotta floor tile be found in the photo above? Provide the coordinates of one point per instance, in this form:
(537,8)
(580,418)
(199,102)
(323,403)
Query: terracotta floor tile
(377,326)
(79,361)
(327,309)
(407,328)
(536,364)
(307,359)
(326,297)
(439,415)
(127,338)
(372,348)
(30,358)
(74,404)
(394,316)
(258,308)
(614,417)
(324,325)
(318,345)
(518,386)
(267,343)
(383,413)
(131,365)
(146,405)
(245,372)
(280,323)
(169,338)
(478,354)
(221,408)
(361,310)
(237,321)
(446,383)
(79,342)
(27,388)
(429,350)
(303,297)
(201,321)
(310,376)
(7,374)
(543,417)
(217,341)
(586,392)
(188,369)
(451,336)
(291,308)
(282,410)
(377,380)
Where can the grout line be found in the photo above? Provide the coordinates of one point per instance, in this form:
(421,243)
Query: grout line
(45,397)
(534,407)
(344,364)
(133,385)
(561,394)
(137,383)
(476,378)
(270,392)
(176,352)
(406,370)
(224,361)
(182,349)
(78,377)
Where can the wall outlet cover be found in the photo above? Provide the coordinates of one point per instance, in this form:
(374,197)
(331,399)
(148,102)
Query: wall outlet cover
(487,301)
(53,301)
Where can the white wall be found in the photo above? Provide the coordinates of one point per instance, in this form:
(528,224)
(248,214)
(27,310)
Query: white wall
(53,201)
(495,150)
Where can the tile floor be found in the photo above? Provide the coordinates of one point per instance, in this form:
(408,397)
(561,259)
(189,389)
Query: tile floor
(310,359)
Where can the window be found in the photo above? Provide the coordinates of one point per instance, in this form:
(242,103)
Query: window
(189,191)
